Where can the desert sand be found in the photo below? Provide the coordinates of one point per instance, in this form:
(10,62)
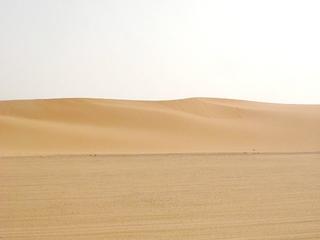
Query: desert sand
(143,197)
(195,169)
(86,126)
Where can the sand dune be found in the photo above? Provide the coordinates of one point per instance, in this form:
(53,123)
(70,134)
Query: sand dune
(81,126)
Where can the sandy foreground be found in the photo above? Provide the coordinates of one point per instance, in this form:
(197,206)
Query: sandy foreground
(174,196)
(86,126)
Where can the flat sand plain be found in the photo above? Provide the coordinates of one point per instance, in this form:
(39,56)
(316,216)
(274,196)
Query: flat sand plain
(168,196)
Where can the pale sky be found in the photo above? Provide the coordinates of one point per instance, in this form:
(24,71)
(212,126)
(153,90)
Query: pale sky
(264,50)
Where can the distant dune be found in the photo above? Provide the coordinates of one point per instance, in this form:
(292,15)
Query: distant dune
(88,126)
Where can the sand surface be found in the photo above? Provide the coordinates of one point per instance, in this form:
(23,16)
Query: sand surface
(81,126)
(234,197)
(98,169)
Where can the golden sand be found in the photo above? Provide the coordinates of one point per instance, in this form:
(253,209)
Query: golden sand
(145,197)
(85,126)
(236,170)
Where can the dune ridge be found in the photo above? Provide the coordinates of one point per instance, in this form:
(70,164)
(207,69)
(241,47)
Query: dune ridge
(101,126)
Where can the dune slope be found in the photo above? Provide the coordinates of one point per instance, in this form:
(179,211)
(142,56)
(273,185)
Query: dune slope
(88,126)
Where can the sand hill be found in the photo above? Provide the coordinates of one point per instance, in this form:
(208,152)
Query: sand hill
(81,126)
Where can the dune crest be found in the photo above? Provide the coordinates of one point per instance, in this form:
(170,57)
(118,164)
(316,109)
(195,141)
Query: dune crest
(87,126)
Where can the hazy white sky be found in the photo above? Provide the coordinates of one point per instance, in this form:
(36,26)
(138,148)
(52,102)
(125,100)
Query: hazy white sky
(267,50)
